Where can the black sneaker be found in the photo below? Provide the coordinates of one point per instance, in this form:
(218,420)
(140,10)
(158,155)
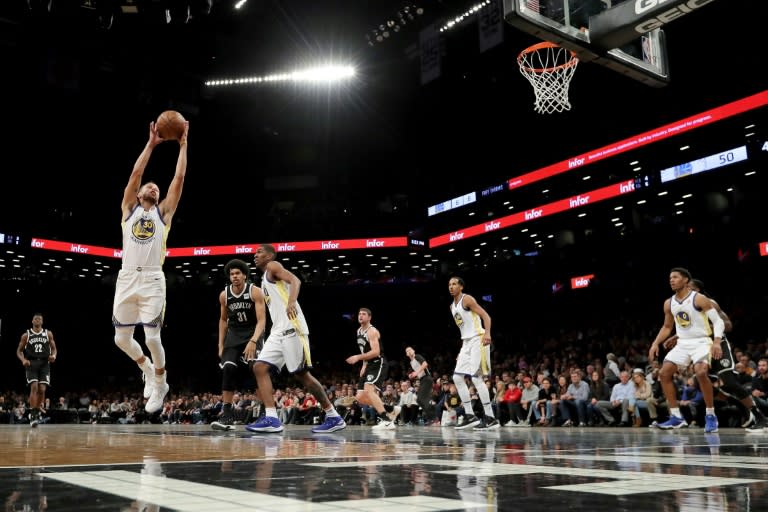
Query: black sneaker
(760,427)
(224,423)
(470,420)
(749,421)
(488,424)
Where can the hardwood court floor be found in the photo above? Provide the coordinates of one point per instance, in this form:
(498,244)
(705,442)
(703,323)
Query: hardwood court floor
(193,468)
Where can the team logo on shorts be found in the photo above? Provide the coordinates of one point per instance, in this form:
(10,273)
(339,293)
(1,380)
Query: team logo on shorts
(369,377)
(725,363)
(683,319)
(143,229)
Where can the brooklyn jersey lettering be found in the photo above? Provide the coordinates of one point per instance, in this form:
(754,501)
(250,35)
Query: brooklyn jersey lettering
(38,346)
(365,346)
(144,238)
(240,308)
(468,322)
(690,321)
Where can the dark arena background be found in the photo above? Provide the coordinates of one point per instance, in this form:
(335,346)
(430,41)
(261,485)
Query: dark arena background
(428,162)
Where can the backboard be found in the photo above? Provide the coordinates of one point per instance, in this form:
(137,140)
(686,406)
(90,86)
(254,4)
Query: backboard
(571,24)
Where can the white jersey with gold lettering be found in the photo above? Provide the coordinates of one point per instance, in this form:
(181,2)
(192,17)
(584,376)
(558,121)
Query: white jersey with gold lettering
(690,321)
(144,238)
(468,322)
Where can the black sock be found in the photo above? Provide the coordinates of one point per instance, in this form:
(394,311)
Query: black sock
(383,416)
(388,408)
(226,410)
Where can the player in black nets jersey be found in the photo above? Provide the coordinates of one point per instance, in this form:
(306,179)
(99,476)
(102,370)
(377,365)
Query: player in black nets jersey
(36,351)
(242,321)
(373,372)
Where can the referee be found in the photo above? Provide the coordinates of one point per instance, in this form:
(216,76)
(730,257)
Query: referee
(420,371)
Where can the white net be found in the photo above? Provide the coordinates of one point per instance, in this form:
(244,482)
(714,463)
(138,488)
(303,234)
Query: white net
(549,68)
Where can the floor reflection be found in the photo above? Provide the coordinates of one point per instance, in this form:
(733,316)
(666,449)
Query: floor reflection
(189,468)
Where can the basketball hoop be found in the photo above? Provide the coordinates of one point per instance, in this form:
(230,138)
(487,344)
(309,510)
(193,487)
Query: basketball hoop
(549,68)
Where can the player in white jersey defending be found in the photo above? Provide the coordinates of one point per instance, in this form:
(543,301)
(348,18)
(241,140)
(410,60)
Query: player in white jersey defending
(690,313)
(287,344)
(140,288)
(474,359)
(723,369)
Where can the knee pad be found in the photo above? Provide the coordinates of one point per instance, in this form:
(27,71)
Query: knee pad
(229,376)
(124,340)
(155,346)
(732,387)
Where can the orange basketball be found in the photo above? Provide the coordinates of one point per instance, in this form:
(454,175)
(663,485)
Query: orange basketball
(170,125)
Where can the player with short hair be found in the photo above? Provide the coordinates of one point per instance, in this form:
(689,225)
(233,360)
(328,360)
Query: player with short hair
(723,368)
(690,313)
(287,344)
(36,351)
(474,360)
(373,372)
(140,288)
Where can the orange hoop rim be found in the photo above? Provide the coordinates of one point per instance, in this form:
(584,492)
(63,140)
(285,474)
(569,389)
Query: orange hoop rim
(541,46)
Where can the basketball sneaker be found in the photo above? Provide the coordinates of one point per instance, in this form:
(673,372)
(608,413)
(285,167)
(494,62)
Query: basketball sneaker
(672,422)
(384,425)
(149,383)
(470,420)
(710,424)
(751,420)
(760,427)
(224,423)
(488,424)
(331,424)
(155,402)
(266,424)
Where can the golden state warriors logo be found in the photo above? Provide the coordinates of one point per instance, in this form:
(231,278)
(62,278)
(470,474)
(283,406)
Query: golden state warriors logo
(143,229)
(457,318)
(683,319)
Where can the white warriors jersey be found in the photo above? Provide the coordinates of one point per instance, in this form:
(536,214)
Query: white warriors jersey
(690,322)
(144,238)
(468,322)
(276,297)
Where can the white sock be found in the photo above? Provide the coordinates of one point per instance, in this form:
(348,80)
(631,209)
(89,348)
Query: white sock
(331,412)
(271,412)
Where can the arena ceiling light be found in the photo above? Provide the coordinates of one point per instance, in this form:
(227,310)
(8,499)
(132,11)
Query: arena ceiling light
(456,20)
(322,74)
(407,14)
